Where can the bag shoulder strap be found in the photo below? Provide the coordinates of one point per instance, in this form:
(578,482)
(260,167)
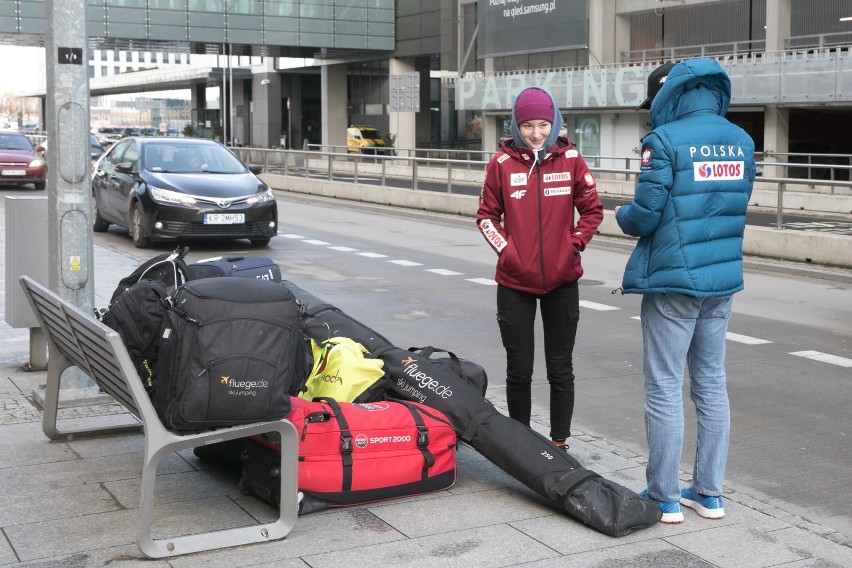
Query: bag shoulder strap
(345,440)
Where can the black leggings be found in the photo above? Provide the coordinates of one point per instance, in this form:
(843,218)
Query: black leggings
(560,313)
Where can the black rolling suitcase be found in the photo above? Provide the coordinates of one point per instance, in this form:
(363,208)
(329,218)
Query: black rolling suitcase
(257,267)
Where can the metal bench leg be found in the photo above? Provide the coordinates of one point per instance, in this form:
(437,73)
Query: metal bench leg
(288,507)
(50,413)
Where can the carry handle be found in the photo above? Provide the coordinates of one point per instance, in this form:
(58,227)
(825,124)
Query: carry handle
(429,350)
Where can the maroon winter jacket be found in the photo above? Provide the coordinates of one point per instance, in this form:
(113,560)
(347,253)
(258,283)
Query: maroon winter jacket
(526,213)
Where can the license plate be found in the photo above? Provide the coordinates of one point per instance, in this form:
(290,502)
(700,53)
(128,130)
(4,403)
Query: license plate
(14,172)
(224,218)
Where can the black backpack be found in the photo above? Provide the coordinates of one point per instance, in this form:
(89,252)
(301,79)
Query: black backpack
(136,314)
(169,268)
(231,351)
(138,305)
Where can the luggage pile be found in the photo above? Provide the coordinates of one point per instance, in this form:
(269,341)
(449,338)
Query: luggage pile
(377,421)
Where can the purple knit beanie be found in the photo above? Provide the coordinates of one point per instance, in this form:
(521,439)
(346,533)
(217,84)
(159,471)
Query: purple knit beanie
(533,104)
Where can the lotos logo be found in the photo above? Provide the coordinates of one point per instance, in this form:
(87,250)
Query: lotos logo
(361,441)
(719,171)
(492,235)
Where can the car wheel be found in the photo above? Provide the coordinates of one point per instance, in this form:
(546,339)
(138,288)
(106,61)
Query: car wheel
(39,185)
(98,225)
(137,227)
(260,242)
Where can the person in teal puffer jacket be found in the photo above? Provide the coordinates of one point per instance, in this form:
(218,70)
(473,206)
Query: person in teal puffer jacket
(689,211)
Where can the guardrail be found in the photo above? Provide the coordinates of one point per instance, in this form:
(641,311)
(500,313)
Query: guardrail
(466,173)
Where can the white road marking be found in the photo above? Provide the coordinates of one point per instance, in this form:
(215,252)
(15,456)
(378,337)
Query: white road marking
(745,339)
(444,272)
(824,357)
(596,306)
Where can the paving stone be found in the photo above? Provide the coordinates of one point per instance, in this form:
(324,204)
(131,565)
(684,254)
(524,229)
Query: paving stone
(21,508)
(175,487)
(799,540)
(79,472)
(126,443)
(453,513)
(569,536)
(642,554)
(736,546)
(487,547)
(35,453)
(7,555)
(343,530)
(91,532)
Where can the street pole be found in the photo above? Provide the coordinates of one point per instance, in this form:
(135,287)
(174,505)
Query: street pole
(70,250)
(222,110)
(230,96)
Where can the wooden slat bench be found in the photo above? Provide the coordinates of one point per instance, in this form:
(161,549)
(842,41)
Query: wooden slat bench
(76,338)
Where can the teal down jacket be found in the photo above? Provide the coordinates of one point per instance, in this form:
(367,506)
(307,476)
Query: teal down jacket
(695,181)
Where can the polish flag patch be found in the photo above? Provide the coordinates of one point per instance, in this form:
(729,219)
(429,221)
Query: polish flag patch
(646,156)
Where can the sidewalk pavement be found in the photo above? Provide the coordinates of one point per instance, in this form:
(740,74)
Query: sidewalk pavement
(74,504)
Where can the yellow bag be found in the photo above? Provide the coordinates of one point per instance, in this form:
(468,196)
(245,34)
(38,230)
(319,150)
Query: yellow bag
(342,372)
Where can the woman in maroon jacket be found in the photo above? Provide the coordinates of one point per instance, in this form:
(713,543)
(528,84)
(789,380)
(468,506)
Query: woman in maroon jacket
(526,213)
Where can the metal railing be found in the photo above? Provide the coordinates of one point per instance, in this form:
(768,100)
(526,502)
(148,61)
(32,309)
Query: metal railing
(416,170)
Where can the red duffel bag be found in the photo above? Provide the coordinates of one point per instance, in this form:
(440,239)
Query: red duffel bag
(352,453)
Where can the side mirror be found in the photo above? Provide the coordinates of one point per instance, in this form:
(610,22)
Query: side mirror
(124,167)
(256,169)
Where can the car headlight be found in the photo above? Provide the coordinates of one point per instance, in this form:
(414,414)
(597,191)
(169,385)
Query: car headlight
(171,197)
(261,198)
(37,163)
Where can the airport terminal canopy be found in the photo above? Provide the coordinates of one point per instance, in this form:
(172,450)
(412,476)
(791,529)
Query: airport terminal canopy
(294,28)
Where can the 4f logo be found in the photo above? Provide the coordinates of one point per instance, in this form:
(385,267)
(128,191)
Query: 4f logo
(518,194)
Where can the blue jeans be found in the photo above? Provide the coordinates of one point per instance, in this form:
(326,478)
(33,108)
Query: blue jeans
(681,331)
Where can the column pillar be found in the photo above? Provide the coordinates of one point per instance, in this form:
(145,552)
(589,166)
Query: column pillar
(334,106)
(778,17)
(266,119)
(602,33)
(776,121)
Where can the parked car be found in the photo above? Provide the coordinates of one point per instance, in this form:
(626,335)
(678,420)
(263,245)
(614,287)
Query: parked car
(107,135)
(364,140)
(20,161)
(165,189)
(95,147)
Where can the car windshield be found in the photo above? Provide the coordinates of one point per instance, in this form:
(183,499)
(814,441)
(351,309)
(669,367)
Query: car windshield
(14,142)
(371,134)
(191,158)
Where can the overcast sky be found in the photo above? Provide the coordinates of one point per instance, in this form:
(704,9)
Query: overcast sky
(22,68)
